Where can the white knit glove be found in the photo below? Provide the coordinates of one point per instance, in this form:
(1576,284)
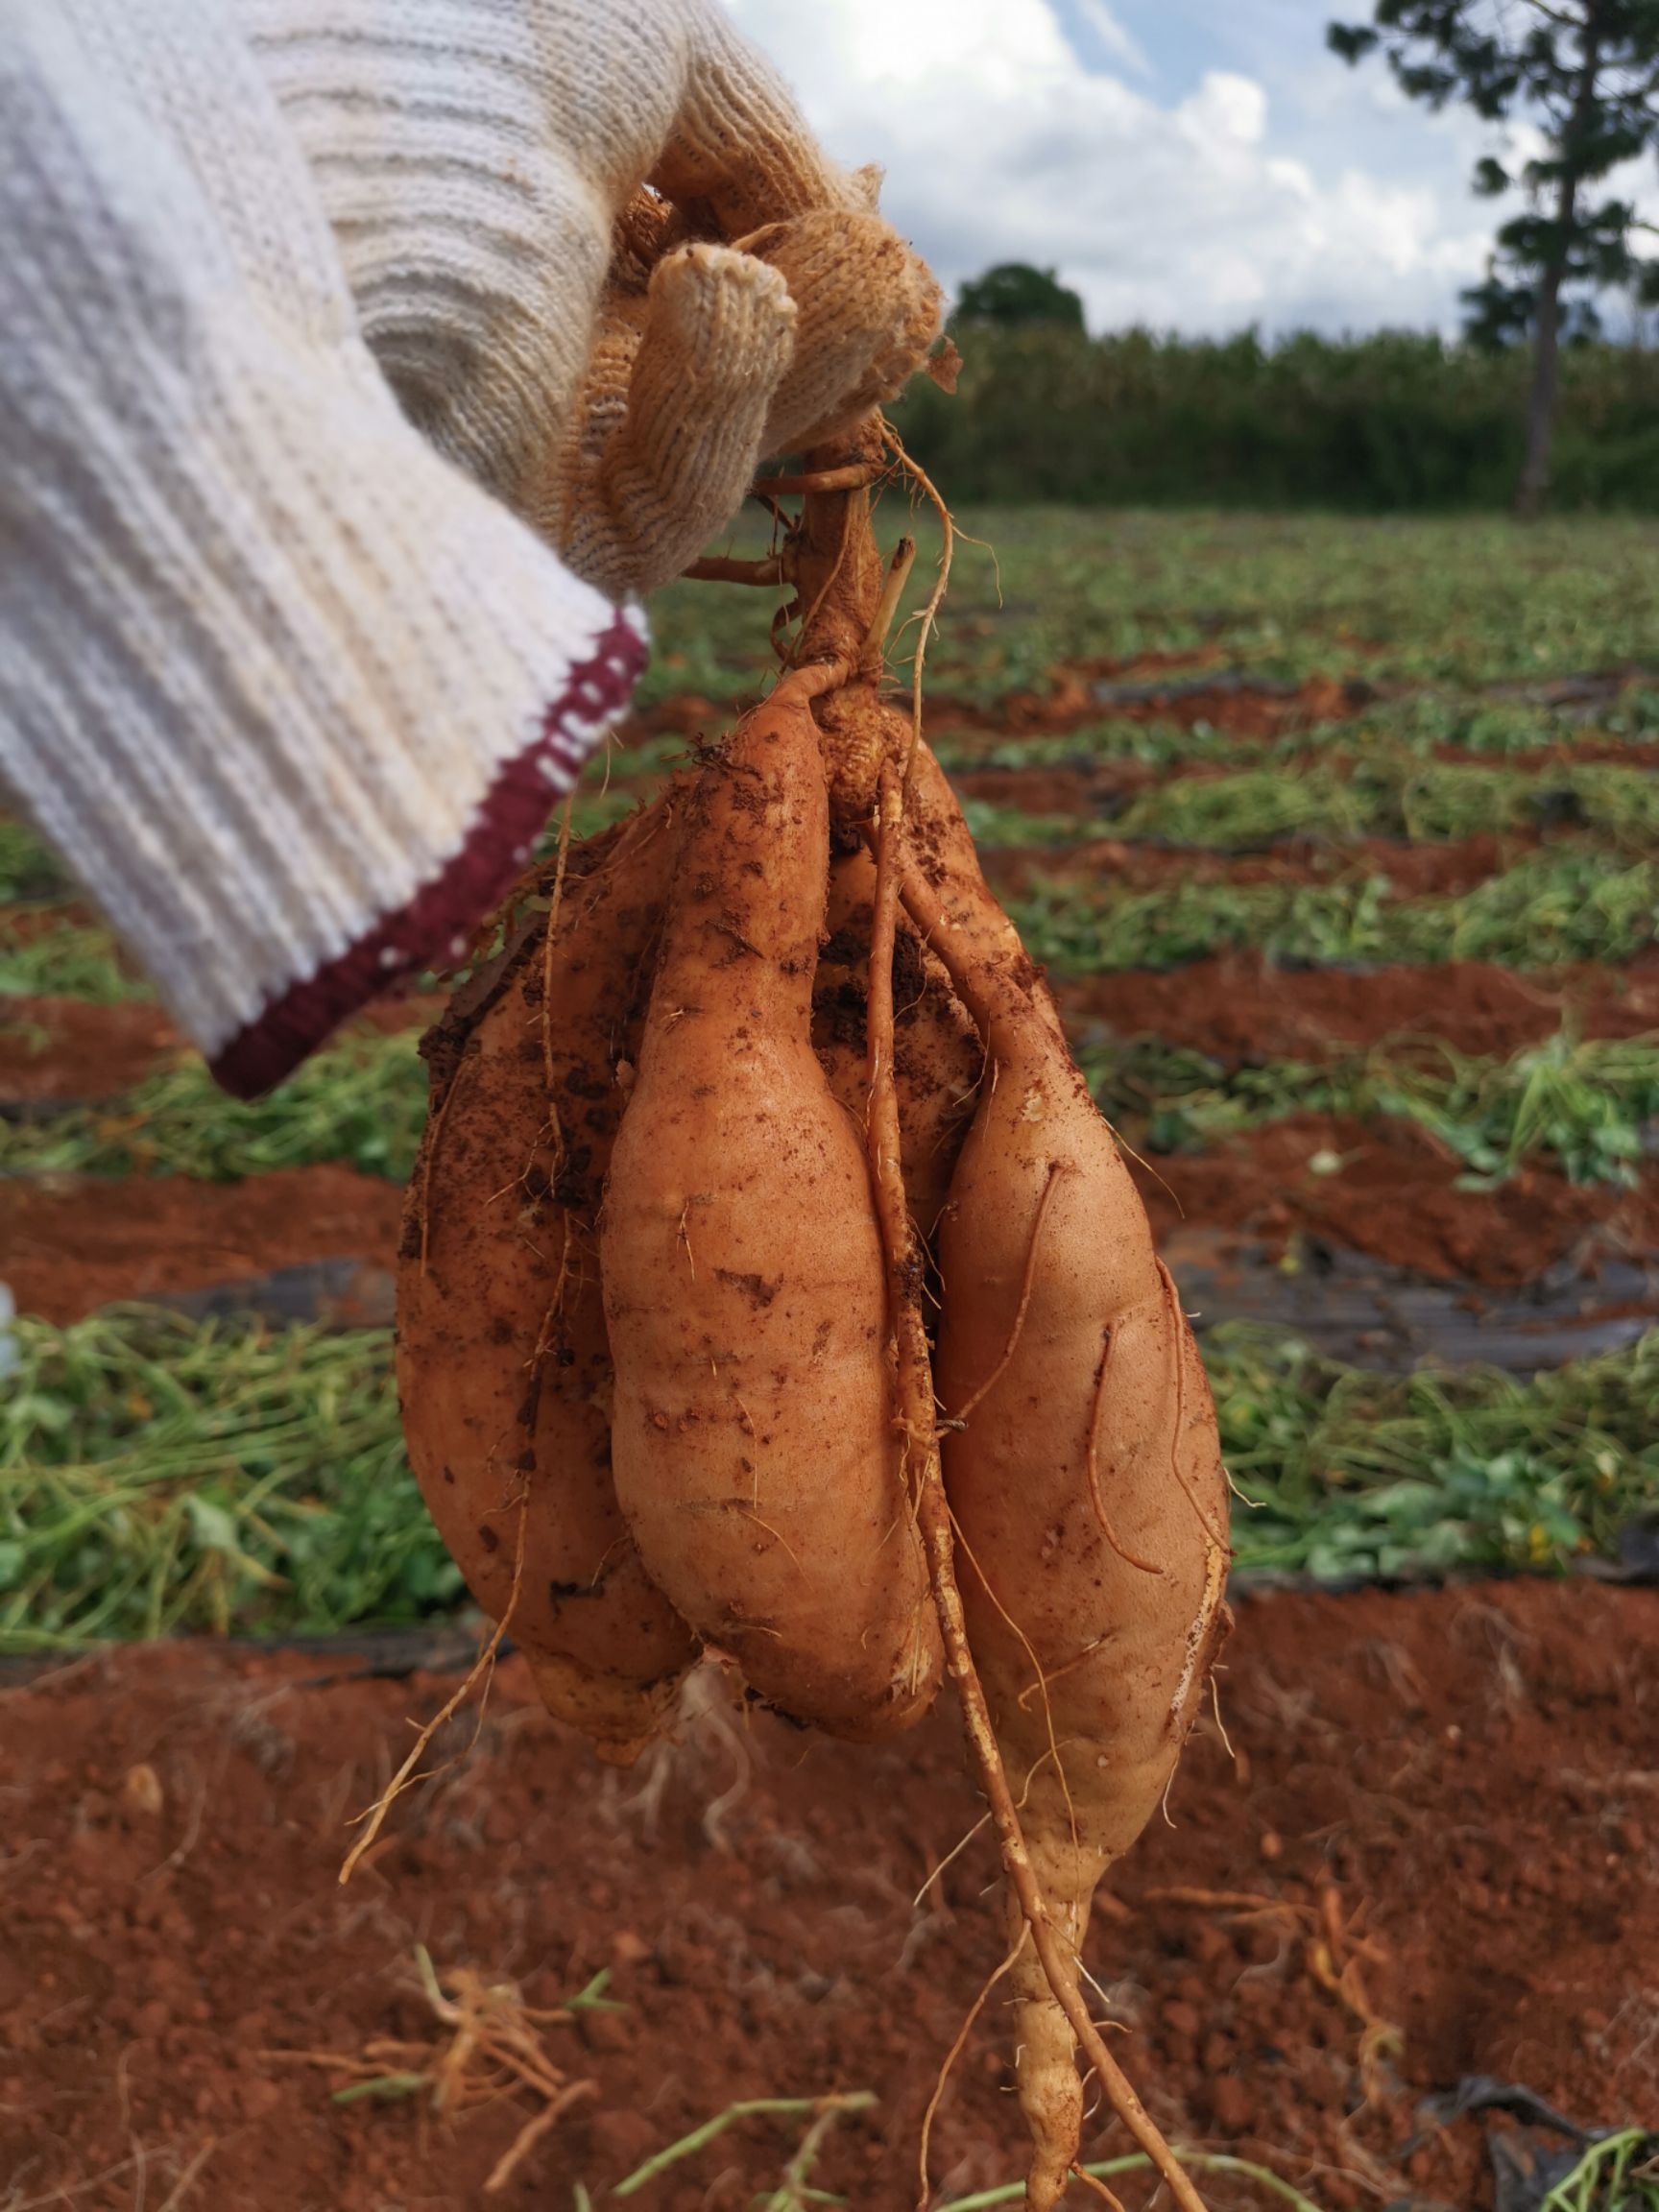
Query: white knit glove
(290,694)
(476,158)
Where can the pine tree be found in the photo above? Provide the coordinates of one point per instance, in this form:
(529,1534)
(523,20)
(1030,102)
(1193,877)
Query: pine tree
(1585,73)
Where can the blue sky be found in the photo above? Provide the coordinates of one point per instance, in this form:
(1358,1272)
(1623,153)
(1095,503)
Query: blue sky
(1192,165)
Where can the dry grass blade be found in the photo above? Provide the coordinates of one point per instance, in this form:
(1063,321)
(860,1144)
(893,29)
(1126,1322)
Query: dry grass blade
(489,2045)
(482,1668)
(1334,1955)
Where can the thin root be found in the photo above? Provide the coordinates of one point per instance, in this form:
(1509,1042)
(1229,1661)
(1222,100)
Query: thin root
(935,598)
(855,478)
(934,1522)
(482,1668)
(716,569)
(951,2058)
(1173,1298)
(918,1421)
(490,2047)
(1094,2181)
(1093,1465)
(875,643)
(1056,1168)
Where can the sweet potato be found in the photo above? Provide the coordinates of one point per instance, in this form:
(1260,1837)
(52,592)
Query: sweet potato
(502,1359)
(938,1056)
(752,1440)
(775,1453)
(1084,1476)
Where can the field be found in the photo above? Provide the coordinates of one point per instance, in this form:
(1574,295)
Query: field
(1341,842)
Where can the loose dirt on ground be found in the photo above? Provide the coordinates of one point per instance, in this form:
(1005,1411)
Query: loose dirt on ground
(173,1942)
(67,1051)
(1389,1190)
(71,1243)
(1242,1010)
(1384,1187)
(1236,1009)
(1083,691)
(1412,870)
(62,1051)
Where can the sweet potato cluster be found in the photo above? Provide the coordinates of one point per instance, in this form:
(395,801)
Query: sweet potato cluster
(773,1284)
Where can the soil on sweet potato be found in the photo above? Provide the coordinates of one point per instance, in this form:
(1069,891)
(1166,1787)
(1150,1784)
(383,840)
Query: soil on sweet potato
(1452,1791)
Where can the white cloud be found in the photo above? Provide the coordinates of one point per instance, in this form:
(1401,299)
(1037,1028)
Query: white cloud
(1225,110)
(1001,144)
(1114,38)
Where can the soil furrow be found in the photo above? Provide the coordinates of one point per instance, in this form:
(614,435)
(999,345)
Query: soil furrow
(69,1245)
(1412,870)
(1386,1188)
(1240,1010)
(173,1942)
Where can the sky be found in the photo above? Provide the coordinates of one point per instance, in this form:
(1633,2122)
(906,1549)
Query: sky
(1192,165)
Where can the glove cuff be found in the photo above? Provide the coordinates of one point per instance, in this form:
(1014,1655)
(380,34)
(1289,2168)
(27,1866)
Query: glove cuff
(434,926)
(290,695)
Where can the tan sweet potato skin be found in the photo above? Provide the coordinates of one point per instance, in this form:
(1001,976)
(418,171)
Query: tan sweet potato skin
(937,1054)
(1091,1664)
(753,1442)
(504,1363)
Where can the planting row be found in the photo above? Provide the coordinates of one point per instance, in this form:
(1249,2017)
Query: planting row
(1562,903)
(158,1475)
(1588,1104)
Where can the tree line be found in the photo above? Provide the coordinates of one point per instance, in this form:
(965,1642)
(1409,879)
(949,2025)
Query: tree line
(1397,420)
(1530,404)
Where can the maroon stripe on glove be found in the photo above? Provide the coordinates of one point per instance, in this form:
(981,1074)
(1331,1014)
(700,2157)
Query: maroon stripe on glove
(452,905)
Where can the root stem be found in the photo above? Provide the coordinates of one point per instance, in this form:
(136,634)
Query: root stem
(853,478)
(875,643)
(918,1424)
(715,569)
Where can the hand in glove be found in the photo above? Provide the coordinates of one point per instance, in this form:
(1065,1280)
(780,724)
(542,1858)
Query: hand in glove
(291,695)
(481,162)
(709,357)
(289,692)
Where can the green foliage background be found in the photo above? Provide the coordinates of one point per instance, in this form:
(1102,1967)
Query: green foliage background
(1394,421)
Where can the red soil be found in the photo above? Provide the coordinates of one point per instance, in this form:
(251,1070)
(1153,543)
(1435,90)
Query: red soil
(69,1245)
(1239,1009)
(71,1051)
(25,923)
(1394,1197)
(55,1049)
(1413,871)
(1243,711)
(1080,792)
(1551,759)
(1457,1785)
